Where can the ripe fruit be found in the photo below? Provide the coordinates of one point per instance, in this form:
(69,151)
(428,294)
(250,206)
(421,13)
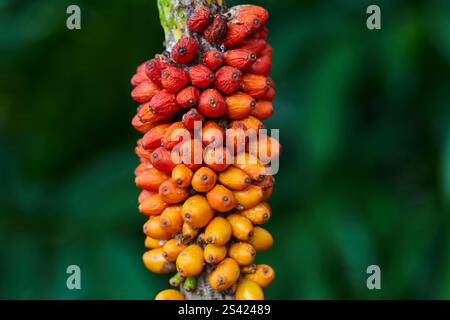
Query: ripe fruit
(190,261)
(249,197)
(261,239)
(172,249)
(152,228)
(242,252)
(155,261)
(196,211)
(214,254)
(248,290)
(259,214)
(224,275)
(153,205)
(171,193)
(170,294)
(204,179)
(211,103)
(174,79)
(239,105)
(150,179)
(151,243)
(182,175)
(263,275)
(188,97)
(228,79)
(213,59)
(205,167)
(221,199)
(199,19)
(201,76)
(239,58)
(171,220)
(218,231)
(241,227)
(185,50)
(234,178)
(144,91)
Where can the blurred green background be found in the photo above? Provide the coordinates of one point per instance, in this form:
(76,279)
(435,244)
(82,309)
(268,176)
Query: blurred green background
(365,125)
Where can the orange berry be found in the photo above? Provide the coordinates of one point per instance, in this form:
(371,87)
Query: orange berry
(249,197)
(188,232)
(153,229)
(172,249)
(171,219)
(171,193)
(259,214)
(239,105)
(218,231)
(143,195)
(155,261)
(196,211)
(248,290)
(151,243)
(153,205)
(217,159)
(190,261)
(150,179)
(255,85)
(262,110)
(170,294)
(182,176)
(241,227)
(214,254)
(242,252)
(221,199)
(263,275)
(204,179)
(212,133)
(250,165)
(224,275)
(251,268)
(234,178)
(261,239)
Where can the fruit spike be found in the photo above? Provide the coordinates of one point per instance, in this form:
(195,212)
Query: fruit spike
(205,183)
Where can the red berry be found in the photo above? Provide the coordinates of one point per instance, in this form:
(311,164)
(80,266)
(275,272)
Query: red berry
(211,103)
(201,76)
(174,79)
(164,102)
(217,29)
(254,45)
(239,58)
(144,91)
(154,69)
(190,117)
(187,98)
(236,34)
(161,160)
(228,80)
(261,66)
(213,59)
(185,50)
(199,20)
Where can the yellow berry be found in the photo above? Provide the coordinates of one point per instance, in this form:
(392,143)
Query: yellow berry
(190,261)
(171,219)
(235,179)
(218,231)
(170,294)
(261,239)
(263,275)
(259,214)
(172,249)
(214,254)
(242,252)
(248,290)
(182,175)
(241,227)
(151,243)
(153,229)
(197,212)
(224,275)
(249,197)
(155,261)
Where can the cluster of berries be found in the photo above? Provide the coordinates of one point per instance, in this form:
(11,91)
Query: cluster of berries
(204,209)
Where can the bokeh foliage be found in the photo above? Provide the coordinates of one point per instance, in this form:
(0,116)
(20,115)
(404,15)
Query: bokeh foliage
(365,126)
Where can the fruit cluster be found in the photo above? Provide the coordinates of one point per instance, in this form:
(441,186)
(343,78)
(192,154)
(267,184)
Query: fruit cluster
(204,210)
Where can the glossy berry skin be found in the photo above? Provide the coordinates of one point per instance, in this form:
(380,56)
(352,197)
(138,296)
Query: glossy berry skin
(263,275)
(224,275)
(243,253)
(234,179)
(153,229)
(185,50)
(218,231)
(150,179)
(172,248)
(182,175)
(170,294)
(190,261)
(261,239)
(211,103)
(196,211)
(171,220)
(152,205)
(259,214)
(248,290)
(214,254)
(204,179)
(221,199)
(241,227)
(155,261)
